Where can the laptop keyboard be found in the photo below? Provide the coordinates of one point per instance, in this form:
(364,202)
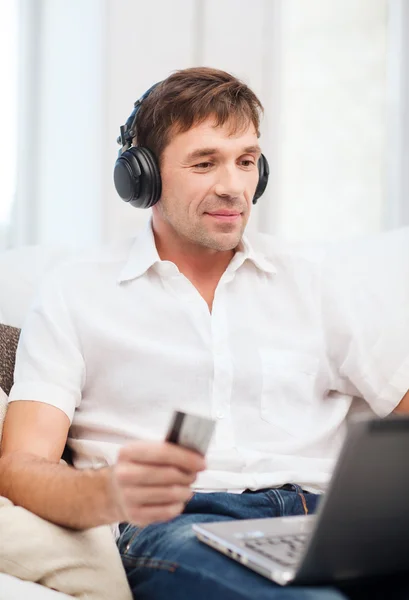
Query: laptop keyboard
(285,549)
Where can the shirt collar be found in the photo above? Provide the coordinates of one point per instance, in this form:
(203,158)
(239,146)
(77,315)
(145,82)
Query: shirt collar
(143,255)
(246,251)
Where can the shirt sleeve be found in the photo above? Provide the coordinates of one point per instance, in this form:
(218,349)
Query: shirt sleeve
(365,307)
(49,362)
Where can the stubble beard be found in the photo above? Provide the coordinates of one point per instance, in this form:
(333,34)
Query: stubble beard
(227,238)
(221,240)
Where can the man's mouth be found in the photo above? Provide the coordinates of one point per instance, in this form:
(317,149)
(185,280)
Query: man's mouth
(225,215)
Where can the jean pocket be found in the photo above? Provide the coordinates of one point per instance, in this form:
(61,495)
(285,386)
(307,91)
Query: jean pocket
(129,536)
(288,389)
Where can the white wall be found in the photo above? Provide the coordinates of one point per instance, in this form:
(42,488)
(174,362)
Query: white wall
(319,67)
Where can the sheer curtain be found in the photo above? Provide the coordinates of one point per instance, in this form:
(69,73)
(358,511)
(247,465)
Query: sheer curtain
(333,78)
(397,188)
(8,115)
(56,166)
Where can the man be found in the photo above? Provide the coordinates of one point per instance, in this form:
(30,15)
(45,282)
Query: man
(189,315)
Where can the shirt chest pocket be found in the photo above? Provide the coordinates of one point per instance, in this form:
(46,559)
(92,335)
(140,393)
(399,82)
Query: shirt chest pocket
(288,395)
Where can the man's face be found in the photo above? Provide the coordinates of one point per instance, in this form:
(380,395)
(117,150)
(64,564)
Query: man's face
(209,178)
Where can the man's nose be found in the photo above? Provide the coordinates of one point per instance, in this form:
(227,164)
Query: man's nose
(229,183)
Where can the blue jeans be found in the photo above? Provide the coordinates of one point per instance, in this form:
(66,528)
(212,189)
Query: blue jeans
(165,560)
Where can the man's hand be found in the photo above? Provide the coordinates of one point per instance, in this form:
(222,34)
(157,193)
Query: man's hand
(151,481)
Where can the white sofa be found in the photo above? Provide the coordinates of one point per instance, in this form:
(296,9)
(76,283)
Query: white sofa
(20,271)
(15,589)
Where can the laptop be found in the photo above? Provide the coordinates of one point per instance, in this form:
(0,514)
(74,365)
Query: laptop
(361,528)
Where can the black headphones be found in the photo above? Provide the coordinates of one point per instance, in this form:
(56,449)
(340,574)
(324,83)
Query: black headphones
(136,172)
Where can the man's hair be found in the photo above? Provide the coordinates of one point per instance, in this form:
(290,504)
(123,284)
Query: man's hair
(187,98)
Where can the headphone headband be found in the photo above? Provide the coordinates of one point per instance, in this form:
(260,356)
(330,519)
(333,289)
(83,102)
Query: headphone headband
(126,131)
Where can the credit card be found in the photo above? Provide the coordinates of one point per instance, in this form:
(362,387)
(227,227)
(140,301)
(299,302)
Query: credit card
(191,431)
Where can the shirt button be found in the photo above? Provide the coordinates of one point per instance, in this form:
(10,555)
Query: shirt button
(220,414)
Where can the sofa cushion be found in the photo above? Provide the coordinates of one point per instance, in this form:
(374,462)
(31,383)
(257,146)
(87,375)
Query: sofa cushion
(3,409)
(9,337)
(84,564)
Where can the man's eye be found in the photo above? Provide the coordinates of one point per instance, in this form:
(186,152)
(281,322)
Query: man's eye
(247,163)
(203,165)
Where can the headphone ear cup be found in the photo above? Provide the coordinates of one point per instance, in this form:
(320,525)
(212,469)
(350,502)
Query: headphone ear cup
(137,177)
(263,173)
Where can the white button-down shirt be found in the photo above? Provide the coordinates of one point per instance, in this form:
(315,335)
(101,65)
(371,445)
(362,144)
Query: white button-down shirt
(120,339)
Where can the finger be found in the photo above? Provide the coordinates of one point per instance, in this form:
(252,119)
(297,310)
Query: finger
(150,496)
(145,515)
(129,473)
(163,453)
